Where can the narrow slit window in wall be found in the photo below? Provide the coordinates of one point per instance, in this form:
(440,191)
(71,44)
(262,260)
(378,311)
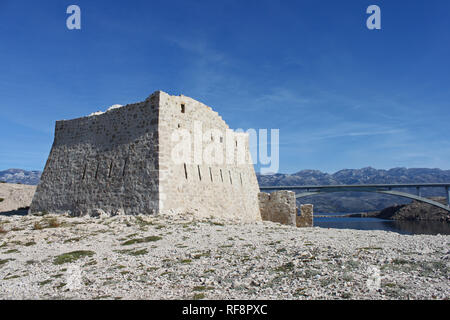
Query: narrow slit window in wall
(110,169)
(183,108)
(185,171)
(124,167)
(240,175)
(210,174)
(96,170)
(221,176)
(231,181)
(199,173)
(84,172)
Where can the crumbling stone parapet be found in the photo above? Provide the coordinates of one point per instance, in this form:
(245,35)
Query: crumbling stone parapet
(280,206)
(305,218)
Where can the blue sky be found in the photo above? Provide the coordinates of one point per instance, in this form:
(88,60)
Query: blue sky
(342,96)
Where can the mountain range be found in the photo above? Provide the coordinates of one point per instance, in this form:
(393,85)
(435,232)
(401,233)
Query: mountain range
(336,202)
(20,176)
(345,202)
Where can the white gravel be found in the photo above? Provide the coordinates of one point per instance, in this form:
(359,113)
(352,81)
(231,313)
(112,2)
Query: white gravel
(183,258)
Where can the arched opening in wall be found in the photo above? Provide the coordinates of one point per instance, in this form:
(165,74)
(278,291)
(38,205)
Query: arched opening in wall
(110,169)
(221,176)
(185,171)
(183,108)
(231,181)
(199,173)
(210,174)
(84,172)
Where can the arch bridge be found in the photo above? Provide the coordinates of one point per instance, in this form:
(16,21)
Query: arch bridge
(378,188)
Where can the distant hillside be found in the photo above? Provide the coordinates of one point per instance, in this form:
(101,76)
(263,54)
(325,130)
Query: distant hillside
(20,176)
(358,201)
(337,202)
(415,211)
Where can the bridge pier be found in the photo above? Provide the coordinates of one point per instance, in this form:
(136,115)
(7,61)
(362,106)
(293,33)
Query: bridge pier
(447,192)
(419,194)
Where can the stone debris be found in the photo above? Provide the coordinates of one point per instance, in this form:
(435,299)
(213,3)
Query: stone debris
(184,257)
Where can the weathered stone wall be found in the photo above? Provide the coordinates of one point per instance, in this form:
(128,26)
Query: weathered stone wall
(306,218)
(207,187)
(280,206)
(121,161)
(106,162)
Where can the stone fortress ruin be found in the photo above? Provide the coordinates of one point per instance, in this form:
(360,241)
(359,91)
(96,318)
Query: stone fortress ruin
(165,155)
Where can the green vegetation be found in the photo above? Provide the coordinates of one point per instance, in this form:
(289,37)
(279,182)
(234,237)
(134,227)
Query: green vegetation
(141,240)
(202,288)
(43,283)
(1,199)
(186,261)
(90,263)
(2,262)
(72,256)
(346,295)
(204,254)
(133,252)
(199,296)
(285,267)
(72,240)
(370,248)
(11,251)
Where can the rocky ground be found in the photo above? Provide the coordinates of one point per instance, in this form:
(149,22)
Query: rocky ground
(142,257)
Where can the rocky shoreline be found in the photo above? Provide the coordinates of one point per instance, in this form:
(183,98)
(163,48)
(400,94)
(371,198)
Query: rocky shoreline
(414,211)
(179,257)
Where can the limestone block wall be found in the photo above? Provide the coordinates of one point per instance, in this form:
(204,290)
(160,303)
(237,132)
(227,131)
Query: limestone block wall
(122,161)
(280,206)
(305,218)
(106,162)
(207,187)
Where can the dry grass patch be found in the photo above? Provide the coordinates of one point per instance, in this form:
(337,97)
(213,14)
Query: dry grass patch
(37,226)
(142,240)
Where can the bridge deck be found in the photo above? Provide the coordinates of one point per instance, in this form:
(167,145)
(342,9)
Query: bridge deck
(357,186)
(379,188)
